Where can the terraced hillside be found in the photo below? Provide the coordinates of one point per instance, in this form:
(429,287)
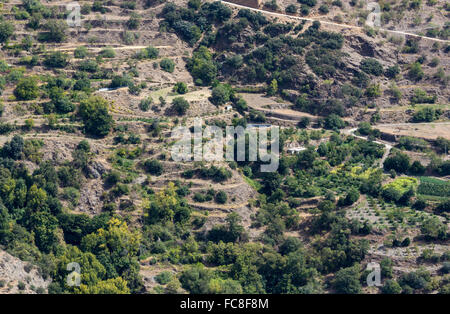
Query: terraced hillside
(87,175)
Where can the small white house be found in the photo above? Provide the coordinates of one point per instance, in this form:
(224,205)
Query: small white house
(295,150)
(228,107)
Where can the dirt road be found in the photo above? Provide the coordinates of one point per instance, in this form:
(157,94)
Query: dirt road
(333,23)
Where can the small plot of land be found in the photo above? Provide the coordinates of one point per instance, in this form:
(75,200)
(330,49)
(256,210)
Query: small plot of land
(271,107)
(386,216)
(429,131)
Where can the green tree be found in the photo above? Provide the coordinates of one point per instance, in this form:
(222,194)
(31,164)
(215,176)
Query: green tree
(44,225)
(433,229)
(347,280)
(6,30)
(167,65)
(333,122)
(80,52)
(56,31)
(56,60)
(399,162)
(391,287)
(180,88)
(272,89)
(180,105)
(221,197)
(371,66)
(221,94)
(154,167)
(27,89)
(415,72)
(95,115)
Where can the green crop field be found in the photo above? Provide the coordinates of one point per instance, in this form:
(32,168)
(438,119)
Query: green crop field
(433,186)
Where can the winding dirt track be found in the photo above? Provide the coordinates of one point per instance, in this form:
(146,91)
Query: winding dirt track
(385,144)
(332,23)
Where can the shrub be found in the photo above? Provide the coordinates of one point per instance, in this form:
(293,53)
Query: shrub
(221,197)
(373,90)
(144,105)
(134,21)
(164,277)
(433,229)
(167,65)
(27,89)
(153,166)
(6,31)
(333,122)
(292,8)
(415,72)
(347,280)
(56,60)
(391,287)
(417,168)
(95,115)
(421,97)
(324,9)
(180,105)
(55,31)
(108,53)
(400,189)
(392,71)
(399,162)
(221,94)
(180,88)
(121,81)
(371,66)
(88,66)
(202,67)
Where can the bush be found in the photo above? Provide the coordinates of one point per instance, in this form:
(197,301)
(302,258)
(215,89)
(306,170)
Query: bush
(347,280)
(391,287)
(80,52)
(399,162)
(202,67)
(121,81)
(55,31)
(134,21)
(221,94)
(221,197)
(292,8)
(56,60)
(144,105)
(153,166)
(180,105)
(421,97)
(14,148)
(333,122)
(417,168)
(373,90)
(180,88)
(27,89)
(148,53)
(400,190)
(108,53)
(415,72)
(324,9)
(167,65)
(351,197)
(371,66)
(425,114)
(433,229)
(6,31)
(95,115)
(392,71)
(88,66)
(164,277)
